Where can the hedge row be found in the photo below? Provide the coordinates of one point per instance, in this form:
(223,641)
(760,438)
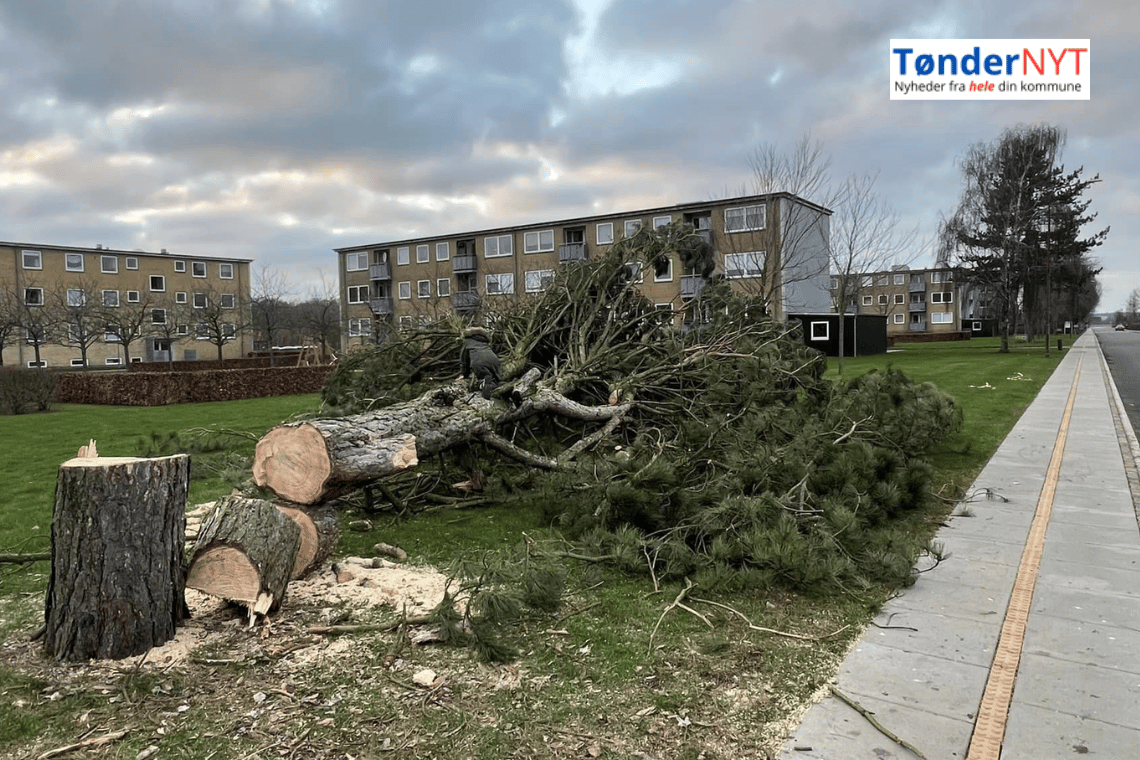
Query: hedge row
(160,388)
(283,359)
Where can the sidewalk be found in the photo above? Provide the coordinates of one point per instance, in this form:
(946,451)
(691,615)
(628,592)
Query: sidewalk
(923,673)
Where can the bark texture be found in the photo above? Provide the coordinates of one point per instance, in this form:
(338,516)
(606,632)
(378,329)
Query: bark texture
(117,538)
(245,553)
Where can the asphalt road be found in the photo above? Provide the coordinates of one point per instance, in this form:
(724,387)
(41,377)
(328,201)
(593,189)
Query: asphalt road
(1122,352)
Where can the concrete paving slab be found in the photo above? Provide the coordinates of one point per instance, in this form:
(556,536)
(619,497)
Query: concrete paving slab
(995,575)
(1085,643)
(1083,533)
(1116,556)
(1034,733)
(1006,550)
(955,639)
(1060,574)
(946,598)
(1121,610)
(1103,694)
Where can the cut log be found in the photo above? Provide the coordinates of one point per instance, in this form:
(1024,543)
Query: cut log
(319,534)
(117,538)
(246,552)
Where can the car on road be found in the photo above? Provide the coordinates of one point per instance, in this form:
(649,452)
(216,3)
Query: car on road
(1119,327)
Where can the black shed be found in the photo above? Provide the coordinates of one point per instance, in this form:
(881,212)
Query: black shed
(863,334)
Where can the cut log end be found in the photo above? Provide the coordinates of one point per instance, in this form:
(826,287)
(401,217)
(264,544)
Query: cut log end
(293,462)
(226,572)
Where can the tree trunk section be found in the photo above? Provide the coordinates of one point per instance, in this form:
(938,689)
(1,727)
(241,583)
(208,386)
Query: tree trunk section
(117,538)
(319,534)
(246,552)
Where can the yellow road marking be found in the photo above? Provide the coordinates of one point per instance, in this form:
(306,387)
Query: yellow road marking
(989,727)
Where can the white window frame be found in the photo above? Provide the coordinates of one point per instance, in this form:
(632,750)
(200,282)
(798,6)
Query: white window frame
(181,297)
(406,323)
(443,251)
(113,361)
(941,317)
(162,282)
(73,332)
(633,226)
(538,241)
(179,266)
(38,300)
(900,318)
(404,290)
(881,281)
(109,264)
(41,363)
(423,253)
(196,267)
(899,279)
(816,334)
(360,328)
(883,299)
(834,283)
(227,301)
(604,233)
(942,296)
(201,331)
(76,297)
(533,280)
(229,331)
(661,221)
(866,281)
(499,283)
(356,261)
(154,316)
(111,301)
(668,276)
(976,326)
(443,287)
(403,256)
(357,294)
(133,296)
(868,300)
(900,298)
(32,259)
(638,272)
(132,262)
(738,262)
(77,362)
(226,271)
(498,246)
(201,300)
(68,258)
(423,288)
(736,219)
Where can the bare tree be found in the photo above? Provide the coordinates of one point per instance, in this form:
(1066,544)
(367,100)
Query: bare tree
(35,319)
(9,320)
(125,323)
(866,236)
(319,316)
(173,326)
(78,311)
(271,310)
(219,317)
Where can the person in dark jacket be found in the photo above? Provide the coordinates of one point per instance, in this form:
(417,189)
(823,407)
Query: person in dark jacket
(477,359)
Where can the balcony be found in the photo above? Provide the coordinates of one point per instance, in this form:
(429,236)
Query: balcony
(918,286)
(465,300)
(918,305)
(692,285)
(380,272)
(381,307)
(571,252)
(464,263)
(918,326)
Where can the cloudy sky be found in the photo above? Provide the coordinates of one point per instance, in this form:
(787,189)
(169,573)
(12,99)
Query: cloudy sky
(279,129)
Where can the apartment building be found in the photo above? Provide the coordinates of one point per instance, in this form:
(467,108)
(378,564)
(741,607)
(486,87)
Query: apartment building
(64,302)
(912,300)
(775,243)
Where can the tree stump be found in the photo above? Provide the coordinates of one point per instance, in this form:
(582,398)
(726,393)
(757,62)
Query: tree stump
(117,538)
(319,534)
(246,552)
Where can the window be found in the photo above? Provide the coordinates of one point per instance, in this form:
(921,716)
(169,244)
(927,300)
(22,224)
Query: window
(157,283)
(819,330)
(744,218)
(33,296)
(201,300)
(226,271)
(422,255)
(229,331)
(110,298)
(158,316)
(633,271)
(198,268)
(881,281)
(442,251)
(942,297)
(868,300)
(917,298)
(866,281)
(358,294)
(899,279)
(73,262)
(111,334)
(883,300)
(359,328)
(355,262)
(404,289)
(443,287)
(180,297)
(112,360)
(40,363)
(403,255)
(497,246)
(940,277)
(423,289)
(900,318)
(537,280)
(74,332)
(132,262)
(632,226)
(835,283)
(661,221)
(900,298)
(741,265)
(538,241)
(605,233)
(201,331)
(76,297)
(942,317)
(667,275)
(109,264)
(132,296)
(182,329)
(226,300)
(179,265)
(405,323)
(976,326)
(499,284)
(33,260)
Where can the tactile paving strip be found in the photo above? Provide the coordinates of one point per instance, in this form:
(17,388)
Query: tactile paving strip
(989,727)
